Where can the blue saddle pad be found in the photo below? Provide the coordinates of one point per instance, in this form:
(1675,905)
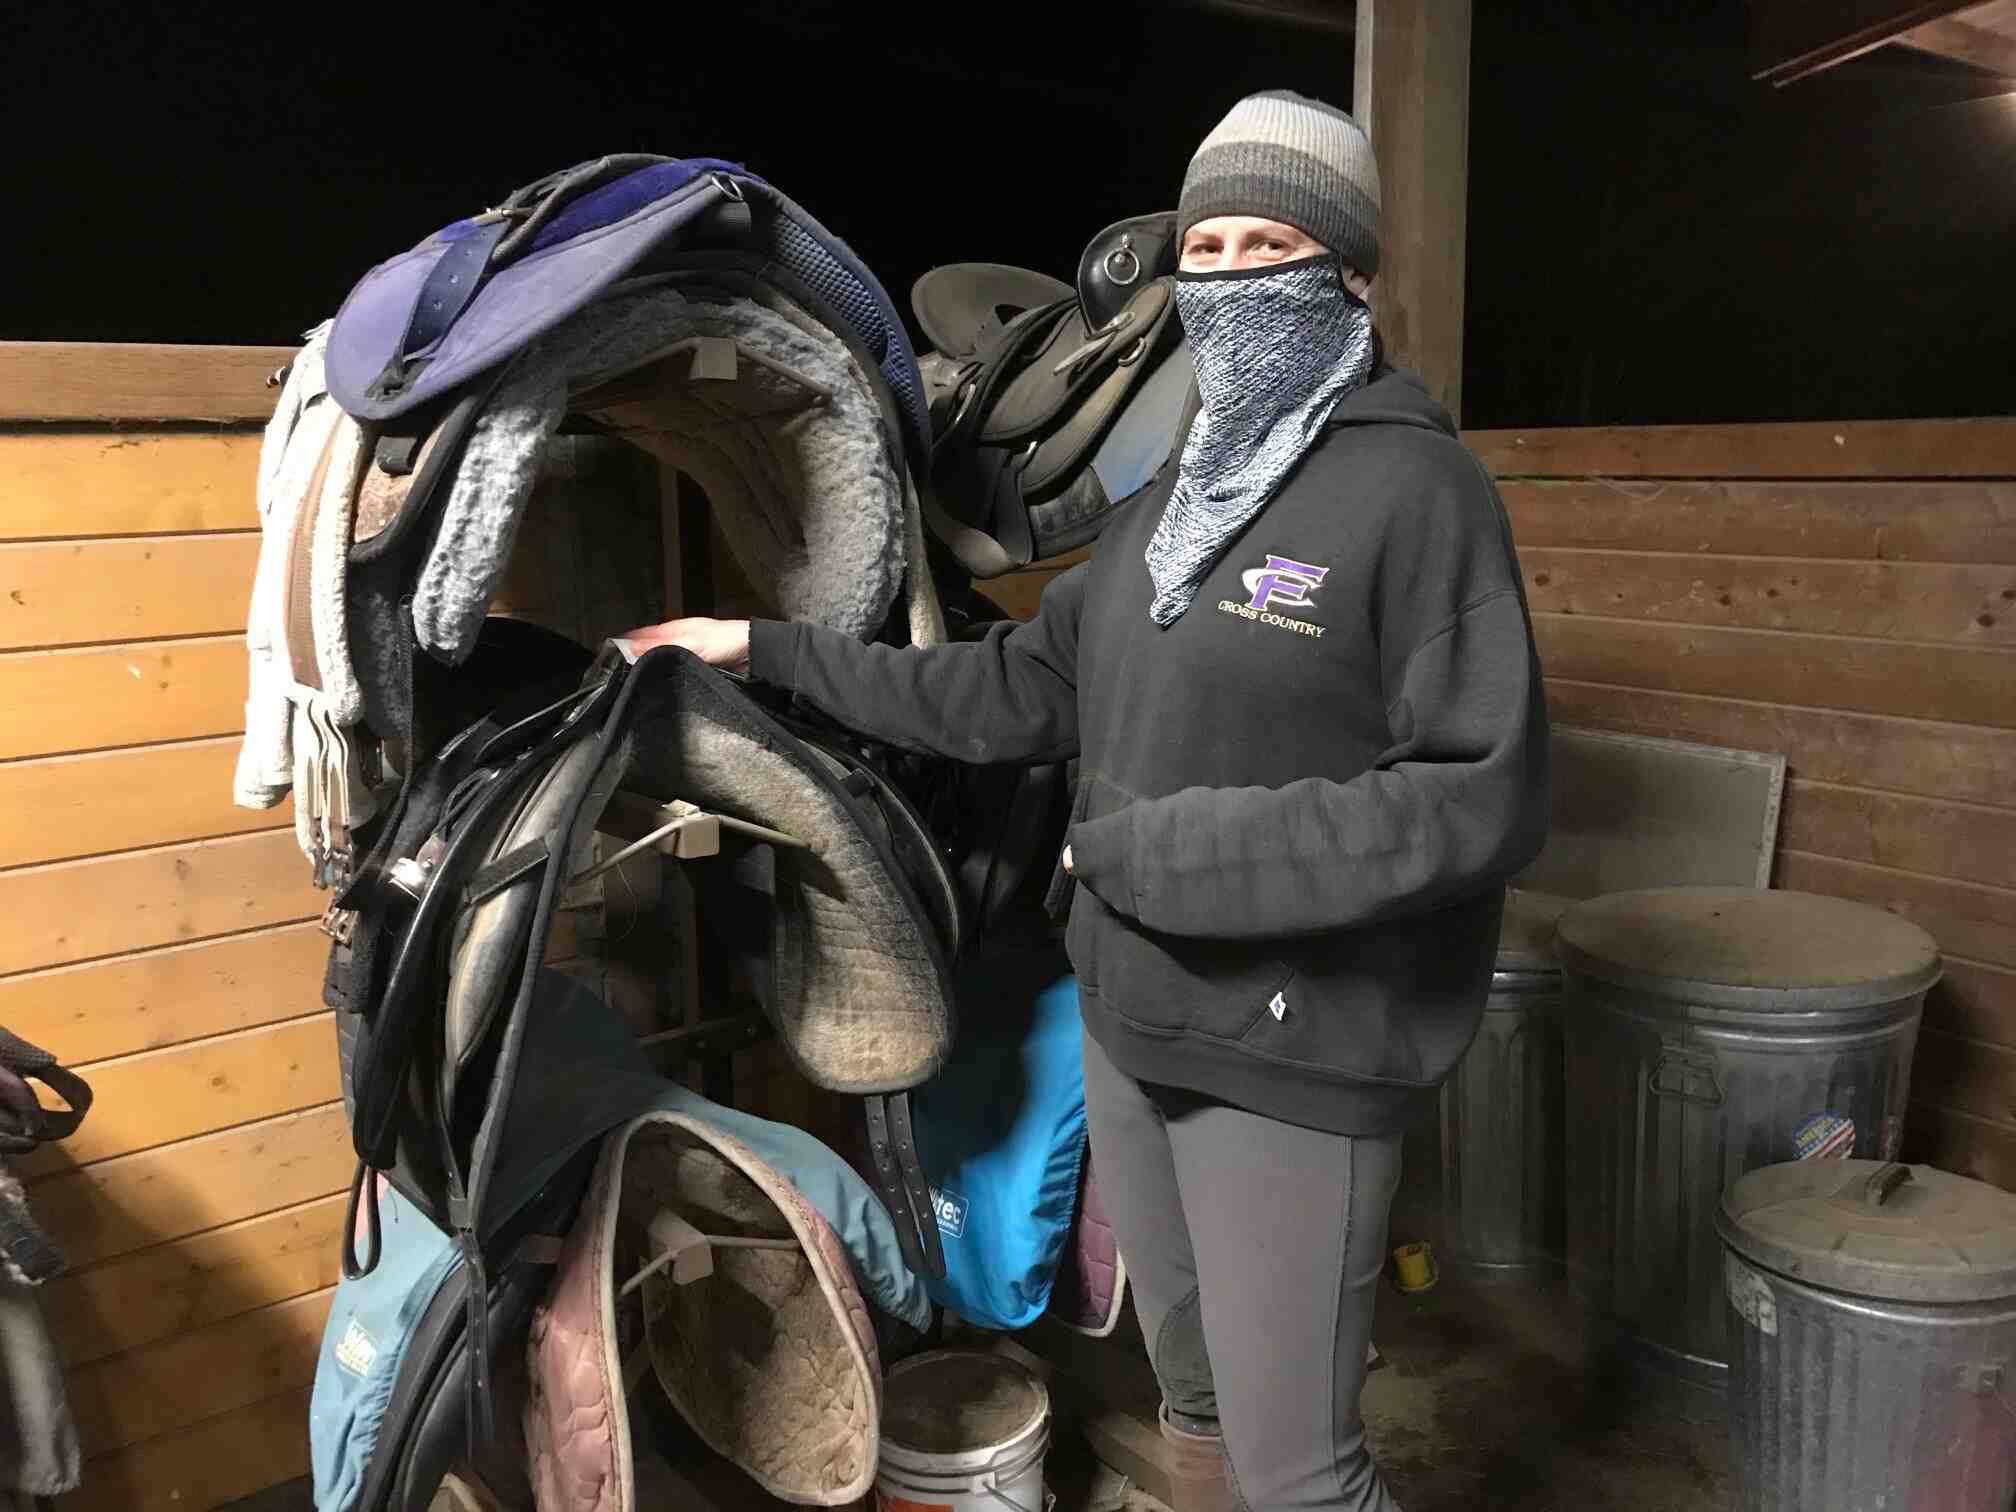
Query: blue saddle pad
(372,1323)
(606,234)
(1001,1138)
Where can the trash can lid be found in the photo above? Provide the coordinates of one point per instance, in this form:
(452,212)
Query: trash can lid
(1900,1233)
(1526,936)
(1749,947)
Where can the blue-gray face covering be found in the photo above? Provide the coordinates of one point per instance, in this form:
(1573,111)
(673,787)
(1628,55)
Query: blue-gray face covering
(1276,349)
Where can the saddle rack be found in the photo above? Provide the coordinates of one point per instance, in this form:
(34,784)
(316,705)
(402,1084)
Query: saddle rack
(684,832)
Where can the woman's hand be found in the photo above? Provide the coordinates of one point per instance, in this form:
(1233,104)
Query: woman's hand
(1067,860)
(719,643)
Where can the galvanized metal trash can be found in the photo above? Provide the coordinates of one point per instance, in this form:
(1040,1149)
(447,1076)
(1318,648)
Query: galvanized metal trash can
(1707,1032)
(1502,1187)
(1872,1312)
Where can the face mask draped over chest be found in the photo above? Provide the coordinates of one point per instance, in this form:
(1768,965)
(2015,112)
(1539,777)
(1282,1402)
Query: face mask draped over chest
(1276,349)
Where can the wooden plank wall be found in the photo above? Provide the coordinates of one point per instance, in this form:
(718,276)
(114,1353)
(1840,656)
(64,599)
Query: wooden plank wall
(155,937)
(1844,594)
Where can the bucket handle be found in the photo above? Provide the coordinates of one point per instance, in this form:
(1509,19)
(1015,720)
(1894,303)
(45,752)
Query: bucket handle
(1687,1064)
(987,1481)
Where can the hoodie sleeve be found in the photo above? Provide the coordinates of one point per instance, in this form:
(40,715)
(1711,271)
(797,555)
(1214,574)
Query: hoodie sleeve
(1009,698)
(1456,803)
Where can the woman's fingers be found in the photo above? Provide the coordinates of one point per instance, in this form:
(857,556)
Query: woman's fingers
(719,643)
(676,632)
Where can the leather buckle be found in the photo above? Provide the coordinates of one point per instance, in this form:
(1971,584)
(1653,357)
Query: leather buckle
(340,924)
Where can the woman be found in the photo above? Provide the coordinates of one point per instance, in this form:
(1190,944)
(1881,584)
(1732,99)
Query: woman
(1301,682)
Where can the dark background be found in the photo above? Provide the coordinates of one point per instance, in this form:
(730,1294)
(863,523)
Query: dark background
(1652,237)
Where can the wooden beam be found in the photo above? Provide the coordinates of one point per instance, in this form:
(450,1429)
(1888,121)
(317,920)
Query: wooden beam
(53,808)
(1964,41)
(1888,449)
(155,1294)
(122,1205)
(1411,92)
(1791,39)
(158,1096)
(60,482)
(209,1464)
(1957,521)
(91,380)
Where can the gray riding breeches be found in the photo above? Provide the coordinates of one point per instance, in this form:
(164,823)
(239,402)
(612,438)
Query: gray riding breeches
(1254,1248)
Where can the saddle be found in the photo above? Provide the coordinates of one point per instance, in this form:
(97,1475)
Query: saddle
(1047,421)
(574,1313)
(824,890)
(702,1257)
(681,305)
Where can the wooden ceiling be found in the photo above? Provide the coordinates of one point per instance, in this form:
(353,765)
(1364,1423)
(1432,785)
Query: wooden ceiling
(1794,38)
(1983,35)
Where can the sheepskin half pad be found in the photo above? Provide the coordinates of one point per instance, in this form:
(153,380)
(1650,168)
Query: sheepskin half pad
(801,473)
(772,1358)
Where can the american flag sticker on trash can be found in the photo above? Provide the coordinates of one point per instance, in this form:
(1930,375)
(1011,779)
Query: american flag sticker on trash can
(1824,1136)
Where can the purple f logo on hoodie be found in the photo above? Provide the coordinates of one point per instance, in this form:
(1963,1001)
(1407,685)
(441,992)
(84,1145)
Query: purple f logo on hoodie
(1281,581)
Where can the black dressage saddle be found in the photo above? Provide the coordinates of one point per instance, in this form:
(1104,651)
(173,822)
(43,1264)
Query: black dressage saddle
(1049,419)
(828,892)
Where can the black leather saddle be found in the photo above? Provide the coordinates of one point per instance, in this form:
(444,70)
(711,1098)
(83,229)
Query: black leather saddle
(1047,422)
(828,891)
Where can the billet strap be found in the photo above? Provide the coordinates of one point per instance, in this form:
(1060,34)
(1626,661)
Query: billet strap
(482,1403)
(915,1185)
(892,1149)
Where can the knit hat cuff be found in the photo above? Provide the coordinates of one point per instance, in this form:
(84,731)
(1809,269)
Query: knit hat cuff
(1279,183)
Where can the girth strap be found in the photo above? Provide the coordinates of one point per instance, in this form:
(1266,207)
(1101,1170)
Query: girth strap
(892,1148)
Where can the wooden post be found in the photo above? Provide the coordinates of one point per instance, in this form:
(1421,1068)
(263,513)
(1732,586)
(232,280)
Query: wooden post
(1411,93)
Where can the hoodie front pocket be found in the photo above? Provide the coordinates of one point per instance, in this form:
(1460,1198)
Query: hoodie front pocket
(1174,984)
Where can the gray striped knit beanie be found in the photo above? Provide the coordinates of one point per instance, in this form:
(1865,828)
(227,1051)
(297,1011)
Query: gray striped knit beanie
(1289,158)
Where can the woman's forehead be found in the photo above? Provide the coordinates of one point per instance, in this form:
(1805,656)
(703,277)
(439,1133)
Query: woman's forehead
(1237,226)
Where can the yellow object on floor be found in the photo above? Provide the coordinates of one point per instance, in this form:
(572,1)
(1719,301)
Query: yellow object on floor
(1414,1267)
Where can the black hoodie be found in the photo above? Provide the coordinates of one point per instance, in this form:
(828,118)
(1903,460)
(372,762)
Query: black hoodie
(1298,804)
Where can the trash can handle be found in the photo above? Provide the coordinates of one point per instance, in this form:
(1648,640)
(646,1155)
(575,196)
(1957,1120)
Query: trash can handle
(1683,1062)
(1884,1181)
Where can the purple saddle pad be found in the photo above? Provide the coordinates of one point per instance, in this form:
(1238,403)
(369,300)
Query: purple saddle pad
(479,290)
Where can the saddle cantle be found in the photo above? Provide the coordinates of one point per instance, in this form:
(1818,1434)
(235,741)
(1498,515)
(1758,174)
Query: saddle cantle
(1121,258)
(1047,422)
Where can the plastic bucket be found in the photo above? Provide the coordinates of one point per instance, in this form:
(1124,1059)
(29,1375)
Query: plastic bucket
(962,1431)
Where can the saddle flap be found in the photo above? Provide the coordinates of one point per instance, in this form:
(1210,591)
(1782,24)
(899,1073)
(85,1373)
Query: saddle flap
(1066,450)
(1071,364)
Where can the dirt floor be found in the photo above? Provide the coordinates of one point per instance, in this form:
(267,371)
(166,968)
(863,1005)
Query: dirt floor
(1483,1403)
